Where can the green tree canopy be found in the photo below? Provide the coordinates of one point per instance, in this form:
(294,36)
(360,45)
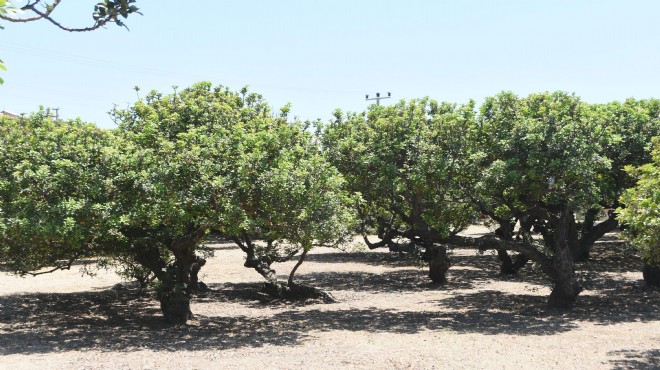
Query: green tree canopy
(642,214)
(54,197)
(406,161)
(538,160)
(627,129)
(208,158)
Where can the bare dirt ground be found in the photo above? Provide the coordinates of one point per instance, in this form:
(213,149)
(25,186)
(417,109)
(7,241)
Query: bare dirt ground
(389,316)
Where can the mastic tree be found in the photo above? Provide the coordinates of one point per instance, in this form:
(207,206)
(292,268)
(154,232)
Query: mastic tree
(627,128)
(208,158)
(288,199)
(174,156)
(537,160)
(642,214)
(148,193)
(406,162)
(70,190)
(54,197)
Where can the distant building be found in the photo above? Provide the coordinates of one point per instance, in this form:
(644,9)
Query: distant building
(7,114)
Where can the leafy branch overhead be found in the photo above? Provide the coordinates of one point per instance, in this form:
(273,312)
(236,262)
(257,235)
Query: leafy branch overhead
(105,12)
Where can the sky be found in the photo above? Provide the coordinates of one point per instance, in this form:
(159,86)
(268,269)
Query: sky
(324,55)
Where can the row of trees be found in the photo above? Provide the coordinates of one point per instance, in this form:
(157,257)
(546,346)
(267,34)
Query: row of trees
(549,163)
(547,169)
(147,194)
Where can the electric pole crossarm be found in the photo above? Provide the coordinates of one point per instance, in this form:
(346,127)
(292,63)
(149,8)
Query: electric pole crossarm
(378,98)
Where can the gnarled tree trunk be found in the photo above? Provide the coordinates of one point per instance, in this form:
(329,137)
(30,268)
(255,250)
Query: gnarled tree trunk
(175,293)
(566,288)
(651,273)
(273,287)
(510,265)
(439,264)
(583,237)
(177,280)
(181,280)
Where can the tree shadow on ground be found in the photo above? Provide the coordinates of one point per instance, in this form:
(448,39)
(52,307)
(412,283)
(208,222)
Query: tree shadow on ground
(46,323)
(459,257)
(111,320)
(402,279)
(633,359)
(410,322)
(614,257)
(633,303)
(123,321)
(380,257)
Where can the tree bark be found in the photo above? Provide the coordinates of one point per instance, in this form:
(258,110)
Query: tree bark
(510,266)
(439,264)
(195,284)
(566,288)
(651,273)
(589,232)
(176,291)
(177,280)
(149,256)
(295,268)
(175,303)
(273,287)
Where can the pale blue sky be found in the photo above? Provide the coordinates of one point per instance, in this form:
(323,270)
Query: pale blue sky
(322,55)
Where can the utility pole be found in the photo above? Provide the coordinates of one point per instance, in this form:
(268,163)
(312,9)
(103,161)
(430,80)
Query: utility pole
(57,113)
(378,98)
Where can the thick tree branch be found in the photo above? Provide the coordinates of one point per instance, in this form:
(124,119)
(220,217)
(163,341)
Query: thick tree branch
(596,232)
(487,242)
(295,268)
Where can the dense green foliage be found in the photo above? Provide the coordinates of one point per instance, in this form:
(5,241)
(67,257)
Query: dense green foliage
(146,195)
(407,162)
(547,162)
(538,151)
(54,204)
(642,213)
(627,129)
(149,192)
(538,161)
(212,159)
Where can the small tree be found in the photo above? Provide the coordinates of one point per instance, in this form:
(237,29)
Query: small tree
(642,214)
(627,128)
(538,161)
(171,161)
(406,161)
(287,195)
(210,158)
(54,201)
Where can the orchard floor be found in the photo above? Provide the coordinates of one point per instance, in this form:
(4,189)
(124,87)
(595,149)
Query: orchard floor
(388,316)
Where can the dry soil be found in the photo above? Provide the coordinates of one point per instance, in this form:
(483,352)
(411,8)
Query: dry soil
(389,315)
